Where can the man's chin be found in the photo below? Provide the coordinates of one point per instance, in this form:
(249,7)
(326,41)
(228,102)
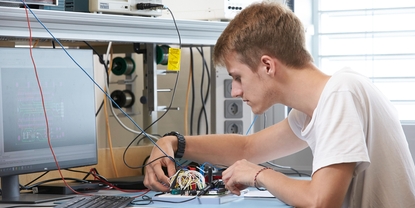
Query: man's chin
(257,111)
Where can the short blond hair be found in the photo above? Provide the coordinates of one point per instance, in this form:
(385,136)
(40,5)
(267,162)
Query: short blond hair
(264,28)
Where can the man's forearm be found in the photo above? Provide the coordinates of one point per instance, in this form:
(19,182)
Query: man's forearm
(327,188)
(222,149)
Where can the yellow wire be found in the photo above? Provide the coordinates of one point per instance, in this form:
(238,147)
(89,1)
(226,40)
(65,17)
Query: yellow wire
(186,108)
(35,44)
(107,121)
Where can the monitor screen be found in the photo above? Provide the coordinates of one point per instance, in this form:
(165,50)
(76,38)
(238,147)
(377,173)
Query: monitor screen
(70,107)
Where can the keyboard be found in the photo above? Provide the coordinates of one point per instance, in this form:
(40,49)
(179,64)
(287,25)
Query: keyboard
(96,201)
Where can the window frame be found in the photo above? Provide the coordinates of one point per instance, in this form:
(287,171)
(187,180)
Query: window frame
(318,57)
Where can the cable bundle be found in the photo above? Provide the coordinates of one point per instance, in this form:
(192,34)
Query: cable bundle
(187,180)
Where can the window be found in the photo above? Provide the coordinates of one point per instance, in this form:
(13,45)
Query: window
(374,37)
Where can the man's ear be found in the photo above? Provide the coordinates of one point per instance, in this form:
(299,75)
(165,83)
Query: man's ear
(268,65)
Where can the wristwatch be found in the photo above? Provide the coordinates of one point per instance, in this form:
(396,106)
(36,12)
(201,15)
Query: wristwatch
(181,143)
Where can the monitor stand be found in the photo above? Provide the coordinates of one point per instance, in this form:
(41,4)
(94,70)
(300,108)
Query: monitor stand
(11,193)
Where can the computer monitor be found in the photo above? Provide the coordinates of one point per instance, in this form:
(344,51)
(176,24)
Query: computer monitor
(70,105)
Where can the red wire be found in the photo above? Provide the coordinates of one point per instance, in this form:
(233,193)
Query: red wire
(43,102)
(96,176)
(47,123)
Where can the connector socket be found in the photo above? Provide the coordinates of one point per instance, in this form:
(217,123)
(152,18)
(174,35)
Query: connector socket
(146,6)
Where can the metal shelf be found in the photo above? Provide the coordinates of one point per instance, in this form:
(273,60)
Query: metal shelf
(77,26)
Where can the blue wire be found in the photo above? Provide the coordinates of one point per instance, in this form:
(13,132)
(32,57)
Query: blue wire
(249,129)
(92,79)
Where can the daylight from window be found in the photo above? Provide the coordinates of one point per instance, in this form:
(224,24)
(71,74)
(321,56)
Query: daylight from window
(375,38)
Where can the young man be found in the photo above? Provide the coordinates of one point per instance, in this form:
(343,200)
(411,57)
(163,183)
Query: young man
(361,156)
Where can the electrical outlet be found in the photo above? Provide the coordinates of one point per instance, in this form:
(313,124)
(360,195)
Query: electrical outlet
(234,127)
(233,109)
(227,83)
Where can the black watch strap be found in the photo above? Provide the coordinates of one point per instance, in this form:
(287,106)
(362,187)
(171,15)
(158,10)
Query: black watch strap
(181,143)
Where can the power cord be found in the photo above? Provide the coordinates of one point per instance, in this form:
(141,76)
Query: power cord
(203,99)
(54,179)
(171,101)
(193,90)
(144,6)
(101,60)
(37,178)
(269,162)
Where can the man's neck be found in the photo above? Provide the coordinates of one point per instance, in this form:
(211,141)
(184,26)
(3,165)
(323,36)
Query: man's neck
(303,89)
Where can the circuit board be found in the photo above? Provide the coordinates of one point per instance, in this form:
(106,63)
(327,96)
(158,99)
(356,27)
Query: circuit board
(203,199)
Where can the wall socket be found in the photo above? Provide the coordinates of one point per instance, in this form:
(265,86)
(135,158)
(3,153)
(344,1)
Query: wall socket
(227,83)
(230,115)
(233,109)
(234,127)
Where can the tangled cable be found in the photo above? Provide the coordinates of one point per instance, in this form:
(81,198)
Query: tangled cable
(187,180)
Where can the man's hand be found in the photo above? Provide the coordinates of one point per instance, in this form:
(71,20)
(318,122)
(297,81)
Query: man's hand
(240,176)
(155,179)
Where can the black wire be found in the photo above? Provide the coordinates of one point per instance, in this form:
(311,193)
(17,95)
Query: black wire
(177,29)
(284,167)
(158,159)
(142,166)
(141,139)
(53,44)
(95,175)
(150,200)
(207,90)
(168,108)
(99,109)
(165,112)
(288,168)
(54,179)
(296,171)
(144,163)
(204,100)
(36,178)
(98,177)
(202,109)
(192,107)
(79,171)
(174,202)
(173,184)
(144,137)
(101,60)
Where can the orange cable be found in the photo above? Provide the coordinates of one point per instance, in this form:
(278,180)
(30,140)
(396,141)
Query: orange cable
(107,124)
(35,44)
(186,108)
(43,103)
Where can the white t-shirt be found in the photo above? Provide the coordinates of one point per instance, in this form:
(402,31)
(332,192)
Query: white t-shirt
(355,122)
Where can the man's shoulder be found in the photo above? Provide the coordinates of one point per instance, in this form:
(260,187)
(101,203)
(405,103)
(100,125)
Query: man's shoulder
(346,74)
(347,80)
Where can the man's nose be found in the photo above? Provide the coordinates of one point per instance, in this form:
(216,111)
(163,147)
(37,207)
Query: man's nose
(236,90)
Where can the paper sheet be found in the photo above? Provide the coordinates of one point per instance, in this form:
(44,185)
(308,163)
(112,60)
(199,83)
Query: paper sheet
(258,194)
